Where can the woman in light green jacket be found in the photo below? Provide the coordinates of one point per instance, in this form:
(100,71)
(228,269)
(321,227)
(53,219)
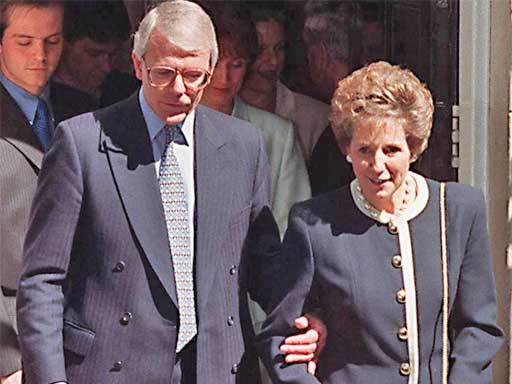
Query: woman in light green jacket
(289,178)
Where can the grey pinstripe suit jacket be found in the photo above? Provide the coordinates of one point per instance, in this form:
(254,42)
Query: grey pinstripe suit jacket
(97,299)
(20,161)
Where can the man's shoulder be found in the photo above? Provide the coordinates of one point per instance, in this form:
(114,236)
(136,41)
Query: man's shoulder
(115,112)
(301,100)
(310,103)
(68,101)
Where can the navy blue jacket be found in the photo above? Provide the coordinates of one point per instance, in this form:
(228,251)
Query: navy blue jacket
(340,260)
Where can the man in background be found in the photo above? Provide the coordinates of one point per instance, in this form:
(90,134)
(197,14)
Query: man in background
(94,34)
(31,44)
(327,37)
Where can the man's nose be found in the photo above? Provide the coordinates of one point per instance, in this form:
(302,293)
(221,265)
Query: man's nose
(39,51)
(269,57)
(106,63)
(177,84)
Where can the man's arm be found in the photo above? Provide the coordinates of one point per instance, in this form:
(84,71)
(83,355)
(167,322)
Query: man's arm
(302,347)
(10,256)
(14,378)
(48,244)
(306,347)
(292,290)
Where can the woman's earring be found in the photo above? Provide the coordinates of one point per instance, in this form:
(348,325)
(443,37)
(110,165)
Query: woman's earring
(349,159)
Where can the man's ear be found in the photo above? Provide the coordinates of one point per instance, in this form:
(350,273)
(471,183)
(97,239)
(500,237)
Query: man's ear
(137,66)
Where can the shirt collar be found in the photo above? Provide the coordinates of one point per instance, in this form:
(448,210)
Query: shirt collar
(239,109)
(155,124)
(25,100)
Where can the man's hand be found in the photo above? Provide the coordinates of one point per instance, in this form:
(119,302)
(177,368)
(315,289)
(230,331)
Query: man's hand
(14,378)
(307,346)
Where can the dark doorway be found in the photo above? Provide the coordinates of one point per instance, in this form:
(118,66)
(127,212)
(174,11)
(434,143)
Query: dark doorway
(419,35)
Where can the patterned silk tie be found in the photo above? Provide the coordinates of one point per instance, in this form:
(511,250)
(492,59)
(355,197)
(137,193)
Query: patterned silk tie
(42,123)
(172,190)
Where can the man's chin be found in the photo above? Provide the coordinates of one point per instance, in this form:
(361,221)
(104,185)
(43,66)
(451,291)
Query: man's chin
(176,118)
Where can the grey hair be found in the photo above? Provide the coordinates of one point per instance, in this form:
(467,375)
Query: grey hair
(182,23)
(329,23)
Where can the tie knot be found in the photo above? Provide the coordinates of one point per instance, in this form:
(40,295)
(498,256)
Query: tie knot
(42,108)
(174,134)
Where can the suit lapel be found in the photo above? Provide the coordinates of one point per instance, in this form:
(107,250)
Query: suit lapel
(130,155)
(211,202)
(16,129)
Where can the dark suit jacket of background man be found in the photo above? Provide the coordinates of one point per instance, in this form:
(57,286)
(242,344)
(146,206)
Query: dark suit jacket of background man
(20,160)
(98,236)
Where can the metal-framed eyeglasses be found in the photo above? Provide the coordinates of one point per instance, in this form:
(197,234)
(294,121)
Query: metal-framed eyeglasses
(162,76)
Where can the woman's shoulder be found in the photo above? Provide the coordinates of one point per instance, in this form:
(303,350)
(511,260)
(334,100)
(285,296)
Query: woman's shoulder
(459,194)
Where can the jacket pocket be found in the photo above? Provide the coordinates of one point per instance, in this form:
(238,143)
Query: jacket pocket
(77,338)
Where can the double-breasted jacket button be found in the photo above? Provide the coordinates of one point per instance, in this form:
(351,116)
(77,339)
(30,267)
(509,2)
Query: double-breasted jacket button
(117,366)
(125,318)
(400,296)
(232,270)
(396,261)
(231,320)
(234,369)
(392,228)
(119,267)
(403,333)
(405,369)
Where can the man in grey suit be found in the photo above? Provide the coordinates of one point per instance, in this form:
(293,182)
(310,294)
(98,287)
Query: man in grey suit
(31,43)
(150,225)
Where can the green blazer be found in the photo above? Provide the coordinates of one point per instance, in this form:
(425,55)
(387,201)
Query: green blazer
(288,175)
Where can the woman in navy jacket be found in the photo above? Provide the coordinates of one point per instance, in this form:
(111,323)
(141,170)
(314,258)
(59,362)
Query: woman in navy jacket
(369,255)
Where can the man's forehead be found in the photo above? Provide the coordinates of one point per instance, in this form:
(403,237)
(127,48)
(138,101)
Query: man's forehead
(19,12)
(160,45)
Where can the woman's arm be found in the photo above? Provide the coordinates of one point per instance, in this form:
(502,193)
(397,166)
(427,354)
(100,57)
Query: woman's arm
(474,332)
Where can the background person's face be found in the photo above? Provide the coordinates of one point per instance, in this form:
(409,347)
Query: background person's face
(173,102)
(269,63)
(89,62)
(31,46)
(226,81)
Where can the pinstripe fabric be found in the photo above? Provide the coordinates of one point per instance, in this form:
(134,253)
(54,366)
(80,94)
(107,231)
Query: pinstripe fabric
(109,247)
(21,156)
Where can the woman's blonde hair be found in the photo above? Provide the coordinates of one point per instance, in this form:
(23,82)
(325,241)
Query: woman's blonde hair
(381,90)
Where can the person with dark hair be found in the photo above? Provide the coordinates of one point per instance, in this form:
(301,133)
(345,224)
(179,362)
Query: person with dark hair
(263,88)
(94,32)
(289,181)
(30,107)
